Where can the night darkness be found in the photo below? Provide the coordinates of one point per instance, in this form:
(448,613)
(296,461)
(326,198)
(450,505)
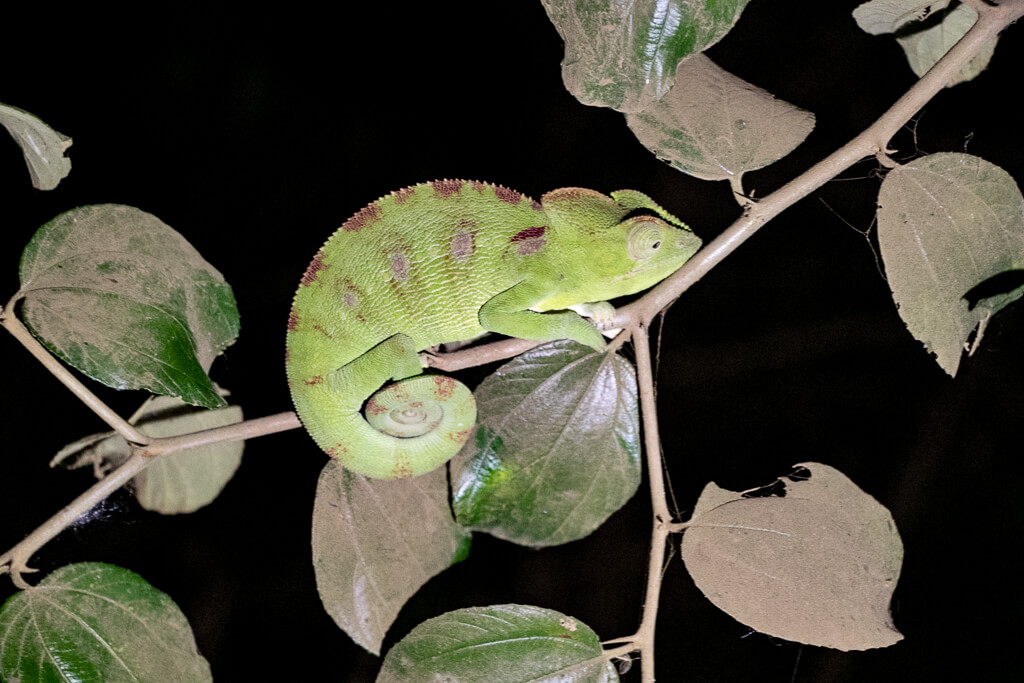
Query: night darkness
(255,134)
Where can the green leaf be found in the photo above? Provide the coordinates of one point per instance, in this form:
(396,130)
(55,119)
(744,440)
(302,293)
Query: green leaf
(42,146)
(946,223)
(128,301)
(556,449)
(624,55)
(96,622)
(715,126)
(926,31)
(499,644)
(375,542)
(817,566)
(178,483)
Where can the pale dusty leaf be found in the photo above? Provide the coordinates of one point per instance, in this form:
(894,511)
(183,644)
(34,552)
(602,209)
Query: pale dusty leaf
(96,622)
(42,146)
(499,644)
(177,483)
(556,448)
(714,125)
(947,222)
(926,46)
(817,566)
(375,542)
(125,299)
(624,54)
(886,16)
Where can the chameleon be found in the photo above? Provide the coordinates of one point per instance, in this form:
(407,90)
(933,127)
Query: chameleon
(448,261)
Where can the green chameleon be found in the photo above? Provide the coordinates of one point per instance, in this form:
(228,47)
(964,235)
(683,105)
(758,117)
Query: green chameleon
(447,261)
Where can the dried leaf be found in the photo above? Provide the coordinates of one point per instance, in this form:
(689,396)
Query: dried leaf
(375,542)
(714,125)
(946,223)
(42,146)
(887,16)
(817,566)
(178,483)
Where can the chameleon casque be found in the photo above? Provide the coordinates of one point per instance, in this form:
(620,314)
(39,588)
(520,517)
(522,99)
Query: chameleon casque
(447,261)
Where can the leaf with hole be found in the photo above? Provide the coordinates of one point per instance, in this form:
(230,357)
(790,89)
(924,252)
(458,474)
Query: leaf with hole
(946,224)
(42,146)
(624,55)
(375,542)
(499,644)
(926,31)
(816,566)
(555,451)
(177,483)
(716,126)
(96,622)
(125,299)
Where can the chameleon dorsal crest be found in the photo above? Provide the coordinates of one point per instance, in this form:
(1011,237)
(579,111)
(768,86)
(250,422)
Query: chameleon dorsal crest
(446,261)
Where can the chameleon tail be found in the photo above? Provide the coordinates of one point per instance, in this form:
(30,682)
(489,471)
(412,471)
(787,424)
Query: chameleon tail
(411,427)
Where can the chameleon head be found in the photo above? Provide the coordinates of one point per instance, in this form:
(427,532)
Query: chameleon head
(620,245)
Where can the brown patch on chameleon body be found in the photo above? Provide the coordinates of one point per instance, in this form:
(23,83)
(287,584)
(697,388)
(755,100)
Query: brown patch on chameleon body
(375,408)
(368,215)
(314,380)
(478,186)
(322,331)
(315,266)
(293,321)
(535,205)
(459,437)
(444,387)
(402,469)
(530,240)
(446,188)
(400,267)
(464,243)
(506,195)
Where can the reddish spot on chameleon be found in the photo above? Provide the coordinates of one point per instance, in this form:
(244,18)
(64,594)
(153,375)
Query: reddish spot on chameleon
(293,321)
(506,195)
(365,217)
(478,186)
(463,244)
(400,266)
(314,380)
(531,240)
(535,205)
(322,331)
(317,264)
(444,387)
(374,408)
(446,188)
(460,437)
(402,469)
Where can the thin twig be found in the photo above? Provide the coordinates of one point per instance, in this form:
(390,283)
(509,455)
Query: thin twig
(10,321)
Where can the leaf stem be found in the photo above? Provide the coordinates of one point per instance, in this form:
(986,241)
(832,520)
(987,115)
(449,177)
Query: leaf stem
(873,140)
(15,560)
(662,516)
(10,321)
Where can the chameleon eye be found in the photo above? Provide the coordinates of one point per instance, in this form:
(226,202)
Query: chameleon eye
(643,240)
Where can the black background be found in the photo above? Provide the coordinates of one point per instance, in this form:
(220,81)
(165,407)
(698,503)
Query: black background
(255,133)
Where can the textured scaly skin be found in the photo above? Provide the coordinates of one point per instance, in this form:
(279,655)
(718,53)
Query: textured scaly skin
(447,261)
